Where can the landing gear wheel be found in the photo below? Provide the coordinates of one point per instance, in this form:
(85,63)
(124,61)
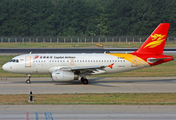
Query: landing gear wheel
(28,81)
(84,81)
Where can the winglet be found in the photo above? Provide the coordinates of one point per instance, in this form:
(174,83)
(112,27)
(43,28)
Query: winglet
(111,65)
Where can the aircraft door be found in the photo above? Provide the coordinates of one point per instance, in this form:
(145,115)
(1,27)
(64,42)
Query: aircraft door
(28,61)
(71,61)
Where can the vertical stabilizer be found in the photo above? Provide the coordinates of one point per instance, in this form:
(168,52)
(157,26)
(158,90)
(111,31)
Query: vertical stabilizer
(156,41)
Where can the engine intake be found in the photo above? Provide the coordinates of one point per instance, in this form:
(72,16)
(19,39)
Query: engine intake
(64,76)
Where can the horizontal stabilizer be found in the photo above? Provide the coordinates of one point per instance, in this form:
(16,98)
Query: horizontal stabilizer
(152,60)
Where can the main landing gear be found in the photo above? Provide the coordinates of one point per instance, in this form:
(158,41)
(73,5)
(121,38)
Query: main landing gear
(84,81)
(28,81)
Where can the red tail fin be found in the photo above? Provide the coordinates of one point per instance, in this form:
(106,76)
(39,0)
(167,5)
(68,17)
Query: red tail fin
(156,41)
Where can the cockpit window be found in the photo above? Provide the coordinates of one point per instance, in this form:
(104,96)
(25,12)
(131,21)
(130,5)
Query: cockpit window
(14,60)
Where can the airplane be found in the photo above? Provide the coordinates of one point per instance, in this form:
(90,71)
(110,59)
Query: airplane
(69,67)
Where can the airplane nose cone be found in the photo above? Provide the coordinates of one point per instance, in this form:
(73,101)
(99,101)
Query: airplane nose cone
(5,67)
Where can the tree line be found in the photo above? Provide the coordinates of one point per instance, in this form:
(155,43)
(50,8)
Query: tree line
(85,17)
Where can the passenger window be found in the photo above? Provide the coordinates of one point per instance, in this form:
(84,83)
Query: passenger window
(107,60)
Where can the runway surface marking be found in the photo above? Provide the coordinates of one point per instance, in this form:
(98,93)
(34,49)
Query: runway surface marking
(84,112)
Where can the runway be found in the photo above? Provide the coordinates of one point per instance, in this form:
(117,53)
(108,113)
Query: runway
(96,85)
(87,112)
(6,51)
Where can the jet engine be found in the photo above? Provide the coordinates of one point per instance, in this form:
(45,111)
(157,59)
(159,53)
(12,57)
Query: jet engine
(63,76)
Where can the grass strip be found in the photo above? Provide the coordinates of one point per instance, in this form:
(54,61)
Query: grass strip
(78,45)
(92,99)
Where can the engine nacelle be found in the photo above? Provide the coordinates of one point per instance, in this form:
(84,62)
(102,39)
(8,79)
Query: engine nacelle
(64,76)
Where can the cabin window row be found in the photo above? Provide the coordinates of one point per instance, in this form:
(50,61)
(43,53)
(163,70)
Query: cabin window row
(50,57)
(80,61)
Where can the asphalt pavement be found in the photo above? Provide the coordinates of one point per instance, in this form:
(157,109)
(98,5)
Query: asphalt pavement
(96,85)
(87,112)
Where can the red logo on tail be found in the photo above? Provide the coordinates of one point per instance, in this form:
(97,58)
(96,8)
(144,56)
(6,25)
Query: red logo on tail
(111,65)
(156,41)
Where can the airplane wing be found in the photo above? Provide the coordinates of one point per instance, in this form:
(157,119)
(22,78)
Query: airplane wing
(84,69)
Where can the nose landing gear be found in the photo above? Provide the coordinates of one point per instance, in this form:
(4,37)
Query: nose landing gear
(28,81)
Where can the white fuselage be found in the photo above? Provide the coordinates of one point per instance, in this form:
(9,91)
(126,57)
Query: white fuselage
(46,63)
